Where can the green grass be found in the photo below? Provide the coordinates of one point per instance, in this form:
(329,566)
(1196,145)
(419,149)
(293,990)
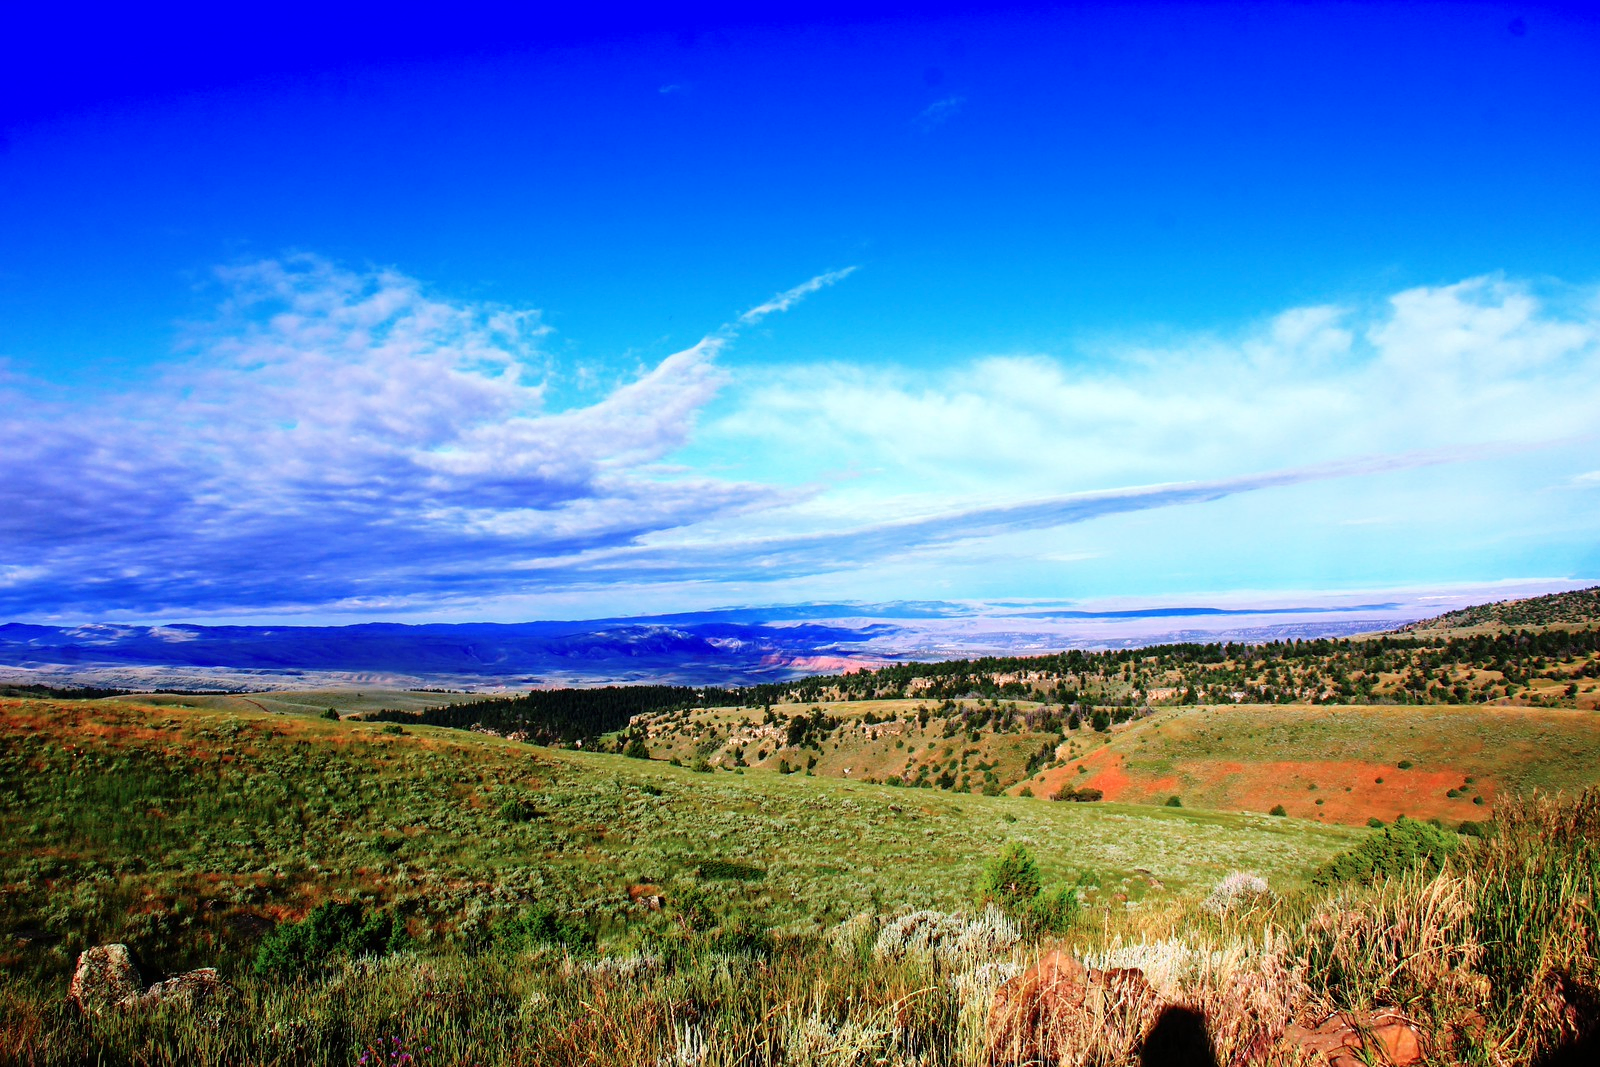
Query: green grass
(1517,748)
(1578,607)
(313,701)
(505,870)
(183,830)
(1240,757)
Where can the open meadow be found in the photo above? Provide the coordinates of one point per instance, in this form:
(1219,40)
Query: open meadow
(370,891)
(835,872)
(1336,763)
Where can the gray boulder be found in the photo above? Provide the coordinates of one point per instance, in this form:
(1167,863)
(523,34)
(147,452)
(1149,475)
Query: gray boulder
(106,978)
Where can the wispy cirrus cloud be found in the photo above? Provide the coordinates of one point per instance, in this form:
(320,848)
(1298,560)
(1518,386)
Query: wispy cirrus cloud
(341,437)
(940,111)
(347,442)
(790,297)
(772,558)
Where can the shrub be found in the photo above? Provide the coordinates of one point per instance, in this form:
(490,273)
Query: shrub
(943,936)
(541,926)
(1404,765)
(635,749)
(332,929)
(692,908)
(700,766)
(517,809)
(1081,796)
(1399,848)
(1046,753)
(1238,888)
(1174,802)
(728,870)
(393,728)
(1053,912)
(1010,880)
(1375,822)
(332,715)
(1279,810)
(853,939)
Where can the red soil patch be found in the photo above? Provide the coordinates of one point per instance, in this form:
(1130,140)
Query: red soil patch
(1106,774)
(1166,787)
(1349,789)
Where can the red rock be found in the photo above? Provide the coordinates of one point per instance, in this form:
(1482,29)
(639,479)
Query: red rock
(1059,1010)
(1390,1039)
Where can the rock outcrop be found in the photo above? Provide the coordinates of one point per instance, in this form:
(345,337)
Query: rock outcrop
(196,991)
(1058,1010)
(1349,1041)
(107,977)
(648,896)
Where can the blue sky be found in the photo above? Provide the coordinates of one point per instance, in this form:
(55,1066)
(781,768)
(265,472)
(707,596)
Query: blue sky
(362,315)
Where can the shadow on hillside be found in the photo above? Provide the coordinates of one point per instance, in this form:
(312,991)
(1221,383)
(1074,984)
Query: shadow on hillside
(1179,1039)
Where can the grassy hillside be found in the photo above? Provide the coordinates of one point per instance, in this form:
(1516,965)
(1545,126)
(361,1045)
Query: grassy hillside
(1438,662)
(961,745)
(560,907)
(1434,723)
(314,701)
(190,832)
(1580,607)
(1332,763)
(737,878)
(1340,763)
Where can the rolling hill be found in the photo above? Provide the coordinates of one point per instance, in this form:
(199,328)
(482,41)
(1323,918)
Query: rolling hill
(751,870)
(1434,723)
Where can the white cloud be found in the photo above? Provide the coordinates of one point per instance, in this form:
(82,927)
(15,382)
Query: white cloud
(336,435)
(940,111)
(1481,361)
(789,298)
(343,440)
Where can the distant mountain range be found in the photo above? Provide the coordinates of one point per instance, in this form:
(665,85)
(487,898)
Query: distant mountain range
(735,646)
(515,654)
